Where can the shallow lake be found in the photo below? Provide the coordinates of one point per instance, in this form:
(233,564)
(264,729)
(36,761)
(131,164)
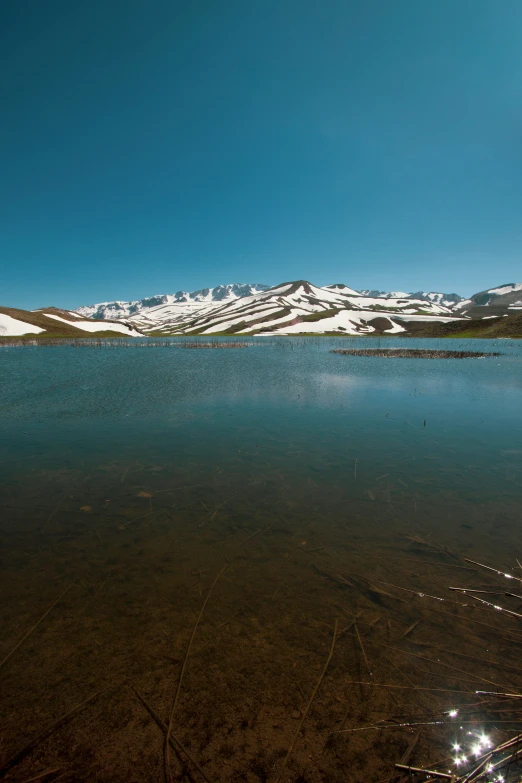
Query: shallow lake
(332,487)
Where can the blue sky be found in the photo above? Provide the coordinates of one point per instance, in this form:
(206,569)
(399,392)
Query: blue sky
(148,146)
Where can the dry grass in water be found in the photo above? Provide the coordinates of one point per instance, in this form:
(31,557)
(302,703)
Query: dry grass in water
(478,752)
(125,342)
(414,353)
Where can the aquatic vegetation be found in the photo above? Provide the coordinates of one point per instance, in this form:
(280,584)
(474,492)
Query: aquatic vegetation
(119,342)
(480,751)
(414,353)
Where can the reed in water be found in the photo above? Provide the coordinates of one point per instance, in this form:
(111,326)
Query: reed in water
(118,342)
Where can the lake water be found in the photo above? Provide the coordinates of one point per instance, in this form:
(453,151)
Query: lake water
(324,483)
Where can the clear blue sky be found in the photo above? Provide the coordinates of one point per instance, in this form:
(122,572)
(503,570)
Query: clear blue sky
(148,146)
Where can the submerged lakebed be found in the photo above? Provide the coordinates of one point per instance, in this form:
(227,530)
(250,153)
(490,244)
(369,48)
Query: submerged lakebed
(330,488)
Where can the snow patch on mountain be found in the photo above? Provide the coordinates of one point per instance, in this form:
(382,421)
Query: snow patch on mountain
(96,326)
(446,300)
(343,289)
(12,327)
(344,322)
(505,289)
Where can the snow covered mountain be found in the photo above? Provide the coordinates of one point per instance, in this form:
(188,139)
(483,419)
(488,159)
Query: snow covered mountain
(207,310)
(289,308)
(502,300)
(184,302)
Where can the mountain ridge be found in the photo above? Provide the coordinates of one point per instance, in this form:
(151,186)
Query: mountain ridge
(300,307)
(172,309)
(292,307)
(123,309)
(295,307)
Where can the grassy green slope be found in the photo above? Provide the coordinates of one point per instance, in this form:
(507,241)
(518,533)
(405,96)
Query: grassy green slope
(507,326)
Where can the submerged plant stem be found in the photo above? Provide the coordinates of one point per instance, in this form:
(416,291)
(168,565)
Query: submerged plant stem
(305,713)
